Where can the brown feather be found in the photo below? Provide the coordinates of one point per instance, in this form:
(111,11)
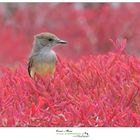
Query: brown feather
(30,63)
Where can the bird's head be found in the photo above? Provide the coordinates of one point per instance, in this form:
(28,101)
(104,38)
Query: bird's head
(48,40)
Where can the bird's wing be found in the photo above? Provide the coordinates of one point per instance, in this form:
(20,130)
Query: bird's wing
(30,64)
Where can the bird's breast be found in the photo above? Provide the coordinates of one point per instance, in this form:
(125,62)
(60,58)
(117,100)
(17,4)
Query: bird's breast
(45,69)
(47,57)
(45,63)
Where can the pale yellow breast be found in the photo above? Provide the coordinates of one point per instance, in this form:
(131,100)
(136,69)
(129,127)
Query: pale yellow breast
(44,69)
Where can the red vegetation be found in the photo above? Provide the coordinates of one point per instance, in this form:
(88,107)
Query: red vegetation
(86,28)
(100,90)
(97,90)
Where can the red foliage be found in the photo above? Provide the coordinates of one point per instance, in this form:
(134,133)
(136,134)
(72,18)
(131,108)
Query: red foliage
(100,90)
(87,29)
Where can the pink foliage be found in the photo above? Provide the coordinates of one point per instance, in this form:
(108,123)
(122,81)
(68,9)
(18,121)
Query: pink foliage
(101,90)
(87,29)
(96,90)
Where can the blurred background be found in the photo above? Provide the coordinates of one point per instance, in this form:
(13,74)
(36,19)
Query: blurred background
(86,26)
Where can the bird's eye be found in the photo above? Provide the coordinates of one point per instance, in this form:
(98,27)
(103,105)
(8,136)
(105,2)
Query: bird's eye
(50,39)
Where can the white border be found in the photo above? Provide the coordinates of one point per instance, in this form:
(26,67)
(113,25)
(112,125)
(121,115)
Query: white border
(50,134)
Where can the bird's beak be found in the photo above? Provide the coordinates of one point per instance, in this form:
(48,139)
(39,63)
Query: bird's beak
(61,41)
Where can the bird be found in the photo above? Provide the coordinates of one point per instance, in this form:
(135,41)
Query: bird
(42,59)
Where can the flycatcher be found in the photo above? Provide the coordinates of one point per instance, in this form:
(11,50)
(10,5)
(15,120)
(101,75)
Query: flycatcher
(42,60)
